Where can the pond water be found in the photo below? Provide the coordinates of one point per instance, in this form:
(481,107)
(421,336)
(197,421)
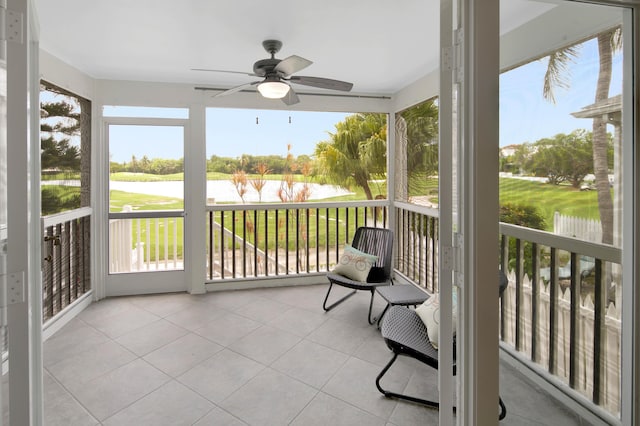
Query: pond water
(225,191)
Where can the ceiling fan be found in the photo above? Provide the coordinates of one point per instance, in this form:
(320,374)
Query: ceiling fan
(277,74)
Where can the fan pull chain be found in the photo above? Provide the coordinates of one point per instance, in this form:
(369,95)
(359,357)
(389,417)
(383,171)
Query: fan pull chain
(257,122)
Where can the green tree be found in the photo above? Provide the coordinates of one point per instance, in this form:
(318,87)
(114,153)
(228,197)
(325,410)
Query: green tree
(556,76)
(65,139)
(59,122)
(356,152)
(564,158)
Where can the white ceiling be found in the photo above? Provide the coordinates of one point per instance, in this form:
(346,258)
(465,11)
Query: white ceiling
(380,46)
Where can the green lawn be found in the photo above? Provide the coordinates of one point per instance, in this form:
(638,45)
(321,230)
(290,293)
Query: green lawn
(547,198)
(118,199)
(550,198)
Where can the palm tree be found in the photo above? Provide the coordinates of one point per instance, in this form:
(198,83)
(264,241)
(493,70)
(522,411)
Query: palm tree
(608,42)
(356,152)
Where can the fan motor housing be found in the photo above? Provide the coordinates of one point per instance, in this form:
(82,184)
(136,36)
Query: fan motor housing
(265,66)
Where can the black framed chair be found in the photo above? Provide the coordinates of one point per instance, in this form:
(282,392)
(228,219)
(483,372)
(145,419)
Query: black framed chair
(405,334)
(374,241)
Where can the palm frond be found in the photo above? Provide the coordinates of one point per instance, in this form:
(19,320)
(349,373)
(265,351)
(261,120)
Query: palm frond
(616,39)
(558,74)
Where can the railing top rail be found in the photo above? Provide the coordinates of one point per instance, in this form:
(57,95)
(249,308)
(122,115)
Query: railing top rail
(291,206)
(63,217)
(429,211)
(146,214)
(600,251)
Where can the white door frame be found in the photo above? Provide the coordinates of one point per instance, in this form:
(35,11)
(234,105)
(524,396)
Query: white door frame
(630,386)
(144,282)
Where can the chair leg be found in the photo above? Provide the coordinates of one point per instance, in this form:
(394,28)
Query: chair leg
(333,305)
(372,320)
(503,410)
(384,311)
(389,394)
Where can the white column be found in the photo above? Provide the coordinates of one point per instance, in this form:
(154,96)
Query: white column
(195,179)
(20,234)
(479,110)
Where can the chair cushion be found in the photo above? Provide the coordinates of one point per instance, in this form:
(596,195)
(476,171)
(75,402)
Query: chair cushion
(354,264)
(429,313)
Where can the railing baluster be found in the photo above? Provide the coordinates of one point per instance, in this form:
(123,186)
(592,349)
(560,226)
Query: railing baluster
(519,291)
(211,244)
(286,239)
(573,320)
(297,220)
(148,244)
(255,243)
(307,237)
(326,237)
(223,252)
(48,276)
(77,253)
(277,242)
(535,297)
(553,306)
(266,243)
(233,244)
(346,226)
(317,240)
(176,221)
(166,243)
(421,225)
(244,243)
(405,248)
(86,251)
(157,235)
(504,266)
(599,336)
(337,235)
(384,217)
(66,240)
(59,273)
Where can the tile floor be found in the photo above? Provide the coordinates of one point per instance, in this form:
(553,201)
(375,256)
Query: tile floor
(251,357)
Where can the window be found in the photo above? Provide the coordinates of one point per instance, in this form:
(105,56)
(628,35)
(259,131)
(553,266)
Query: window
(65,137)
(417,154)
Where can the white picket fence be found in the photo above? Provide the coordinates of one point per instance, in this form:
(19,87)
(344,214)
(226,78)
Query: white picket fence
(611,339)
(576,227)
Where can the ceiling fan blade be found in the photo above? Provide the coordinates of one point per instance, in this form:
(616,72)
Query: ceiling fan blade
(323,83)
(291,97)
(230,72)
(292,64)
(235,89)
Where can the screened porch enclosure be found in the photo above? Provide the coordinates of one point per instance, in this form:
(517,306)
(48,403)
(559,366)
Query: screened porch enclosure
(561,318)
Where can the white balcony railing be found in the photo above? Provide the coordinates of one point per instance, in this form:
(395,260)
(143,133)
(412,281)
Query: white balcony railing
(145,241)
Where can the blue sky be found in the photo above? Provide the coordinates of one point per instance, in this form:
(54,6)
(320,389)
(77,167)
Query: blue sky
(524,117)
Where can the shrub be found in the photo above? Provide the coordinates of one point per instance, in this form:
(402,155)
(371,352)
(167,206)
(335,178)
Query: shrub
(522,215)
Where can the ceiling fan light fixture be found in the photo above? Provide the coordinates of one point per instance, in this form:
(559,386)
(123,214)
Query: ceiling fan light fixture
(274,89)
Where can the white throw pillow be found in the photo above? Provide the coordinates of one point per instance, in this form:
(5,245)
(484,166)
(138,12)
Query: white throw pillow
(355,264)
(429,313)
